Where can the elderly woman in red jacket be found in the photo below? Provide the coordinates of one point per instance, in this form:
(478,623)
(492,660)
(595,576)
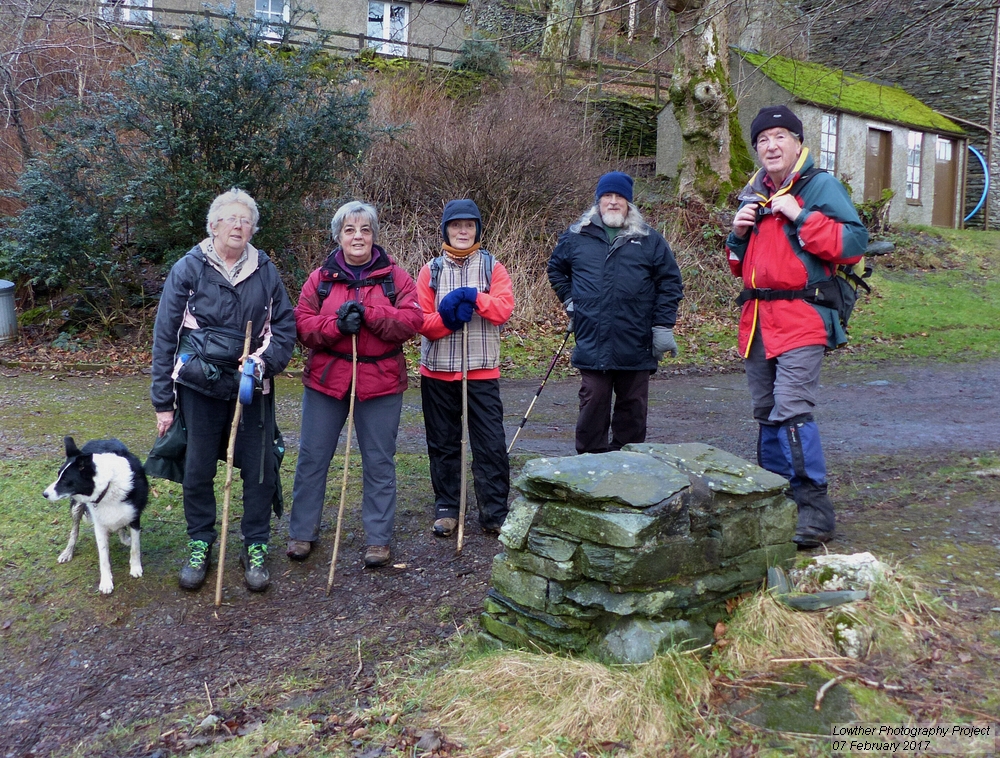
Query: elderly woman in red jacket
(359,290)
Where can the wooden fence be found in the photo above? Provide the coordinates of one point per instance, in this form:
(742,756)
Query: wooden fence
(576,79)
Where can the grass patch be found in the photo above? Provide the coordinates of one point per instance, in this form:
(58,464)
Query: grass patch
(520,701)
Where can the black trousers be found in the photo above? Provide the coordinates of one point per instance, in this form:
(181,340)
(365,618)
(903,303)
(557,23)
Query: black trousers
(442,404)
(208,423)
(631,392)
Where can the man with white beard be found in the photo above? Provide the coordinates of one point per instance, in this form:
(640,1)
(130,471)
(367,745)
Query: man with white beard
(621,286)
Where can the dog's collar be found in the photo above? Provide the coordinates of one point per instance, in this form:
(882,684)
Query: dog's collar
(101,496)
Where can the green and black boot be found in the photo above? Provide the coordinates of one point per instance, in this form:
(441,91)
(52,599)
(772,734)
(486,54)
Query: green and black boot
(194,571)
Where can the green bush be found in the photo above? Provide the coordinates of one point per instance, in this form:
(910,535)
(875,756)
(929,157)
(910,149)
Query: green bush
(483,57)
(131,172)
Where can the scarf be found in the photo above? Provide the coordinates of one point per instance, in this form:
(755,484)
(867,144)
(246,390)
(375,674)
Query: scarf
(459,255)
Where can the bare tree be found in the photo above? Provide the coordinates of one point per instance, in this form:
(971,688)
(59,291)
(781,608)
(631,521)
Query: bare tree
(48,49)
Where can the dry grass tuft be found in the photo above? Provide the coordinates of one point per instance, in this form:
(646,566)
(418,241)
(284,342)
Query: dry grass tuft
(762,628)
(512,700)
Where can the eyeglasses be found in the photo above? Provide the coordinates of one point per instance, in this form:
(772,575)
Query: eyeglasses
(237,220)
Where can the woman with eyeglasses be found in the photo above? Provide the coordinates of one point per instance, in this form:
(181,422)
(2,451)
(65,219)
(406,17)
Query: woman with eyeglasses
(210,294)
(359,296)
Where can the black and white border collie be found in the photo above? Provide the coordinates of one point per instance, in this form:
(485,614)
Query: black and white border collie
(108,482)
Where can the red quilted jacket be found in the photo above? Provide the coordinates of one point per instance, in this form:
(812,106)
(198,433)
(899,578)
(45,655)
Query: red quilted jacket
(381,366)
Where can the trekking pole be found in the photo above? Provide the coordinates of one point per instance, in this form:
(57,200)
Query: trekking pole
(555,358)
(228,488)
(347,460)
(463,497)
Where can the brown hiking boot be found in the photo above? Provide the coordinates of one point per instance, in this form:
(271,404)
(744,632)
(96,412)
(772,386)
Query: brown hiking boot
(377,555)
(444,527)
(298,550)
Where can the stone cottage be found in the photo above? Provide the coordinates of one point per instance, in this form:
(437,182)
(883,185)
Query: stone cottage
(873,137)
(397,28)
(942,53)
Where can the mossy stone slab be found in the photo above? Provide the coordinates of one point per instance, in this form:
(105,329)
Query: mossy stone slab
(520,517)
(560,570)
(720,471)
(638,640)
(551,546)
(598,595)
(626,530)
(629,479)
(522,587)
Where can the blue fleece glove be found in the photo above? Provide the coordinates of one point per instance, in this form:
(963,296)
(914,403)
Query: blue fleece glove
(456,308)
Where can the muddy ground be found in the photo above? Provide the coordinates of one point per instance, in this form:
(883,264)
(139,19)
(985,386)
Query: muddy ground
(138,656)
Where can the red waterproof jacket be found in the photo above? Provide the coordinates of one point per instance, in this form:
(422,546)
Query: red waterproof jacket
(781,255)
(381,366)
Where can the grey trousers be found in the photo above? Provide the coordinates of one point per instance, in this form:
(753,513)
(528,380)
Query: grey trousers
(376,422)
(783,387)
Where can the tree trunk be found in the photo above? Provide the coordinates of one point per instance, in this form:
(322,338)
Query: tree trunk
(703,101)
(633,20)
(658,19)
(558,26)
(587,28)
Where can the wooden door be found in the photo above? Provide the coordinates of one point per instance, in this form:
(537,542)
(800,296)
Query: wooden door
(945,183)
(878,163)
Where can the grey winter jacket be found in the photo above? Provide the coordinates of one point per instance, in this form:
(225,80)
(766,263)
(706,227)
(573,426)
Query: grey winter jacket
(194,286)
(620,291)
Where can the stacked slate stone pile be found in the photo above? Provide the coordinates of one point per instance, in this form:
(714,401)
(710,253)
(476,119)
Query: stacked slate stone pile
(625,553)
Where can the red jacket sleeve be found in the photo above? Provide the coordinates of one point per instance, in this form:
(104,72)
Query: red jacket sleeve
(400,322)
(315,330)
(497,305)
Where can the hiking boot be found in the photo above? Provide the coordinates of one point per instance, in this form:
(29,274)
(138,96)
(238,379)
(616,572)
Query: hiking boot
(254,571)
(444,527)
(376,555)
(806,539)
(298,550)
(196,569)
(492,528)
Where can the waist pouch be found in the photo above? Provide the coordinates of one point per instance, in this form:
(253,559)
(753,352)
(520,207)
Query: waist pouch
(836,293)
(216,345)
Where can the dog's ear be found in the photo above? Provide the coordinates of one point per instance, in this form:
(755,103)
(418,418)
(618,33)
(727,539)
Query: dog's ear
(71,448)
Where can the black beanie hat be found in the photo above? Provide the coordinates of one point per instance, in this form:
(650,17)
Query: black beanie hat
(775,115)
(459,209)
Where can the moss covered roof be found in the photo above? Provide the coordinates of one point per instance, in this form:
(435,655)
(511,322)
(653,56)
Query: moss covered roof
(832,88)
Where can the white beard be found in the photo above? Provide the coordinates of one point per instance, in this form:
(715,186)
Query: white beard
(613,219)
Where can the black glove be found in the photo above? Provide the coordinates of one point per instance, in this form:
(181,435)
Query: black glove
(350,316)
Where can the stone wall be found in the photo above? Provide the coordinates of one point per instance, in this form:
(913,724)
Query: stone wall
(942,56)
(626,552)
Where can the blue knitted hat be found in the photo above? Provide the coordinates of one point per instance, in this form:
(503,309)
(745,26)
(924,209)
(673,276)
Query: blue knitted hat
(616,181)
(459,209)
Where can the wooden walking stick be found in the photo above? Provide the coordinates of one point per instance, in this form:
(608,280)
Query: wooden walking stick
(347,460)
(228,488)
(463,496)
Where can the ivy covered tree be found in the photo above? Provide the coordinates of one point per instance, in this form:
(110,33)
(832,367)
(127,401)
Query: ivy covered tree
(129,173)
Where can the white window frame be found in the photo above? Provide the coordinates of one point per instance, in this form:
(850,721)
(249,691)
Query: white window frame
(829,131)
(914,153)
(127,11)
(389,41)
(272,17)
(946,143)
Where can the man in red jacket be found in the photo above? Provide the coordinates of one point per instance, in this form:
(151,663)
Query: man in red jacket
(795,225)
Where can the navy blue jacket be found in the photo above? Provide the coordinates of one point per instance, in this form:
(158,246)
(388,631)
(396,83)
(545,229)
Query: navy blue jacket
(620,291)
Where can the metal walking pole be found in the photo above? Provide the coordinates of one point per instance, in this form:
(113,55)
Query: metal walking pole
(228,488)
(347,460)
(463,496)
(555,358)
